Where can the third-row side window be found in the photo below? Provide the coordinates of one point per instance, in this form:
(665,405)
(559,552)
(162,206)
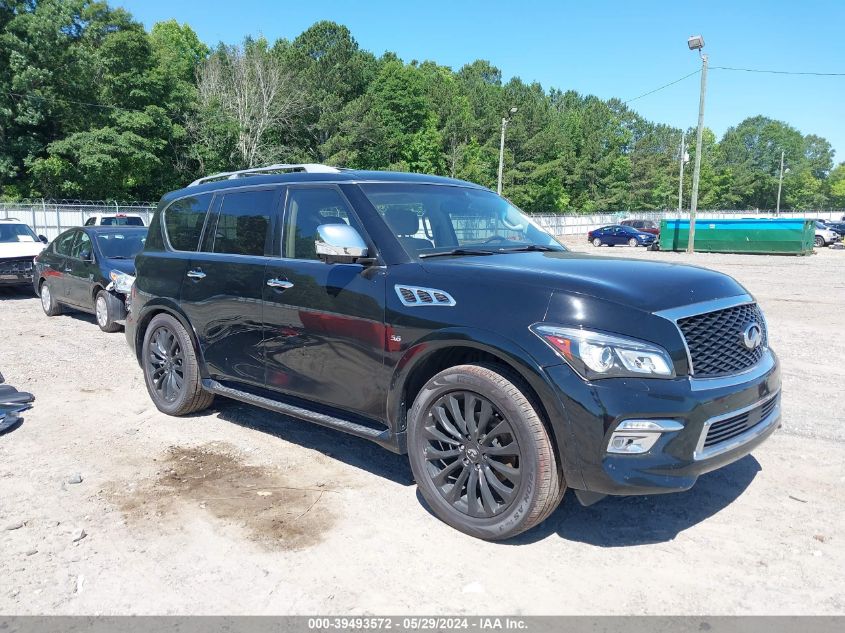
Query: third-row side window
(184,220)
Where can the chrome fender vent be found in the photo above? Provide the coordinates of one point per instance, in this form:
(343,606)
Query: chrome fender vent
(416,296)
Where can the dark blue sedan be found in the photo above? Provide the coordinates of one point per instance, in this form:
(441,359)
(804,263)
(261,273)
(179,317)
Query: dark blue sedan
(614,234)
(92,269)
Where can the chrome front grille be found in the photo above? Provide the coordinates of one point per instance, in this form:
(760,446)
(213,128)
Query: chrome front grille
(731,430)
(715,340)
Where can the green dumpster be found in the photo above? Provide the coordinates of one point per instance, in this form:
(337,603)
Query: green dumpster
(751,235)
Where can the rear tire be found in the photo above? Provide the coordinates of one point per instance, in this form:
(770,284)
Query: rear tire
(481,456)
(107,309)
(49,304)
(597,242)
(171,371)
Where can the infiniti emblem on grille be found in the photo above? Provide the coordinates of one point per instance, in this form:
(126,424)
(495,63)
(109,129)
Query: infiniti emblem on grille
(752,336)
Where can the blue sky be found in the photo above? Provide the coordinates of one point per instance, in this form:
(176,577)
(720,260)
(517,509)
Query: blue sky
(610,49)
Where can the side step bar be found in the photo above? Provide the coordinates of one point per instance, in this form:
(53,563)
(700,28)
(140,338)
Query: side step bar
(383,438)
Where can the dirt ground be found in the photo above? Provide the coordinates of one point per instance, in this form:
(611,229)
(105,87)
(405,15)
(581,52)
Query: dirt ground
(239,511)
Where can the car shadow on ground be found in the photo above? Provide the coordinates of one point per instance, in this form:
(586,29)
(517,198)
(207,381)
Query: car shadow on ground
(645,520)
(612,522)
(16,293)
(349,449)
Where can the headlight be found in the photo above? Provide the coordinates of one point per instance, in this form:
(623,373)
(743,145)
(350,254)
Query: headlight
(596,355)
(121,282)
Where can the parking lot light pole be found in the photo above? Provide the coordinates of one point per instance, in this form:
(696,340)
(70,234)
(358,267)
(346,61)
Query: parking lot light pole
(683,160)
(505,121)
(696,42)
(780,183)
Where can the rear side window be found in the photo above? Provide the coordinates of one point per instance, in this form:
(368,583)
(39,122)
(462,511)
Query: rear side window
(184,219)
(90,221)
(82,247)
(242,223)
(64,243)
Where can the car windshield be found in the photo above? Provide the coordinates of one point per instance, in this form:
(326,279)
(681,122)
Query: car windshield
(17,233)
(432,219)
(121,245)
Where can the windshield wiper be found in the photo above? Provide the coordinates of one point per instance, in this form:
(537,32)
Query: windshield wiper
(527,248)
(119,257)
(457,251)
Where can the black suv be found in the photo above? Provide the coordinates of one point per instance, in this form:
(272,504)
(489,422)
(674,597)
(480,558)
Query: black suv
(431,316)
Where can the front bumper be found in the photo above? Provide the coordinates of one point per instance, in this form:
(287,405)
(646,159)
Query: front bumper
(678,458)
(15,279)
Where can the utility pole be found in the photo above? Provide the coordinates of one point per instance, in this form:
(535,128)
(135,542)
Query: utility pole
(505,121)
(696,42)
(780,183)
(681,179)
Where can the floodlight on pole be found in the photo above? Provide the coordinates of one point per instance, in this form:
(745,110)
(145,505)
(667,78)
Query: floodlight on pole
(696,43)
(505,121)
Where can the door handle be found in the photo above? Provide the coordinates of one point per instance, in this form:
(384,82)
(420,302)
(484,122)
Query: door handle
(67,270)
(281,284)
(196,274)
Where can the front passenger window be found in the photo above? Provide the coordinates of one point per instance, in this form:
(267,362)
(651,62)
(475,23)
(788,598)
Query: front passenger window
(307,209)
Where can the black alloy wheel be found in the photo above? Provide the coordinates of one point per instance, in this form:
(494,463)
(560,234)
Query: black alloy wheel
(481,455)
(472,454)
(171,371)
(166,363)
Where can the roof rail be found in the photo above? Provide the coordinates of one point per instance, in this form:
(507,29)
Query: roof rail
(308,168)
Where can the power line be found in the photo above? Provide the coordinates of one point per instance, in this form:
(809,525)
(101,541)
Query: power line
(671,83)
(85,103)
(778,72)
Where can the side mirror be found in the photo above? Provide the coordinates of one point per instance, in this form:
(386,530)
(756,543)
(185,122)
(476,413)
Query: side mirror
(86,256)
(339,244)
(43,239)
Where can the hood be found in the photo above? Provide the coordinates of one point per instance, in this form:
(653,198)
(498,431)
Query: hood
(644,285)
(123,265)
(20,249)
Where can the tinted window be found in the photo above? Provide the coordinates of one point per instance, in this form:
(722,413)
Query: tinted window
(90,221)
(64,243)
(184,219)
(122,221)
(242,223)
(307,209)
(82,247)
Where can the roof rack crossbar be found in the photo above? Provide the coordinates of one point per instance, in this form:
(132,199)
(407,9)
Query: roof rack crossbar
(309,168)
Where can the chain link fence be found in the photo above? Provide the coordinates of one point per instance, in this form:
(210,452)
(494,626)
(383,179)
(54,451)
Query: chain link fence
(51,217)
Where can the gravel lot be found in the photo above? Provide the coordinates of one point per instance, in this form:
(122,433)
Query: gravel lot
(242,511)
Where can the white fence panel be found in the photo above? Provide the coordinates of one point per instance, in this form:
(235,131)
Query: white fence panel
(51,218)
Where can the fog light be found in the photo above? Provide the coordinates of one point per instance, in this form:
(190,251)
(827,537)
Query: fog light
(630,443)
(633,437)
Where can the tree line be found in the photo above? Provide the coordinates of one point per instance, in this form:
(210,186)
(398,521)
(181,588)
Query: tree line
(93,106)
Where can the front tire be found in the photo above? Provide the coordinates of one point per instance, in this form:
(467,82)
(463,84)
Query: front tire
(633,242)
(819,241)
(481,456)
(107,309)
(49,304)
(171,371)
